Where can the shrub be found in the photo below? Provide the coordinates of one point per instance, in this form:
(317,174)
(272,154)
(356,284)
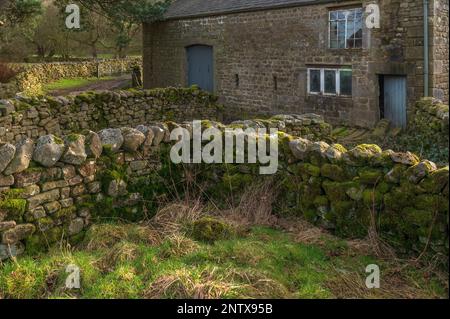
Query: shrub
(6,73)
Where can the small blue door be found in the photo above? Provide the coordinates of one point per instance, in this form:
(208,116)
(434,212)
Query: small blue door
(395,100)
(200,67)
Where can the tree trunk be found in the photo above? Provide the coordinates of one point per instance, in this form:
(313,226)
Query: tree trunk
(94,51)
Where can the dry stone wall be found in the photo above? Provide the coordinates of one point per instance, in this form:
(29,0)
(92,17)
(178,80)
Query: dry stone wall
(32,76)
(427,132)
(8,90)
(55,187)
(35,117)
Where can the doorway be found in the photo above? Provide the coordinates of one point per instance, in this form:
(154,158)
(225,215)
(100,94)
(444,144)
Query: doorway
(200,67)
(393,99)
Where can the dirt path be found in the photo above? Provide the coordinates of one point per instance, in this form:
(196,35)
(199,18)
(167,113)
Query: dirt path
(119,82)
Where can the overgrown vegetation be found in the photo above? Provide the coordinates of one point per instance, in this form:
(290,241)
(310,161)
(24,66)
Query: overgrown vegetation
(195,249)
(158,260)
(427,134)
(6,73)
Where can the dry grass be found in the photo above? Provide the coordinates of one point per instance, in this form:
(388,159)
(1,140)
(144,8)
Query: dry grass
(178,245)
(182,284)
(107,235)
(257,285)
(211,283)
(379,247)
(119,253)
(393,285)
(255,206)
(170,219)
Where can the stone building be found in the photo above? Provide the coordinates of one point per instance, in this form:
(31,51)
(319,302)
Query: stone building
(302,56)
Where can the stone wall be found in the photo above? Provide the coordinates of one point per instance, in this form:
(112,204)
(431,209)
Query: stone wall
(32,76)
(270,51)
(53,188)
(34,117)
(8,90)
(439,50)
(431,118)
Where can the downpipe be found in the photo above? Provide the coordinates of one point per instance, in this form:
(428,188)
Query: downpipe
(425,49)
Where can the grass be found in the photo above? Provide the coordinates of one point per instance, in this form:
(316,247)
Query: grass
(74,83)
(142,261)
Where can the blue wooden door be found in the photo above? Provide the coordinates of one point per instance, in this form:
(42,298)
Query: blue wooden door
(395,100)
(200,67)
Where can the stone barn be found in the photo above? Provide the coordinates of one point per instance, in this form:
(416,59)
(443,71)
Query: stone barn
(304,56)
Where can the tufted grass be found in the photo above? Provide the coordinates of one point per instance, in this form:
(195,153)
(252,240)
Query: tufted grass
(130,261)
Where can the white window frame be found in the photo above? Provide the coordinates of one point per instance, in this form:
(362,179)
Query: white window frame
(346,28)
(336,78)
(309,80)
(337,72)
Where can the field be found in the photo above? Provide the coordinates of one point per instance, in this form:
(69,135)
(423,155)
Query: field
(184,254)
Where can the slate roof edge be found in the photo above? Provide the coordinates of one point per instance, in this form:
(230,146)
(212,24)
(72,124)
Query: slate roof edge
(253,9)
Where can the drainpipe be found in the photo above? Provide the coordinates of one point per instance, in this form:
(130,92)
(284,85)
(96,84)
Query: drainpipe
(425,49)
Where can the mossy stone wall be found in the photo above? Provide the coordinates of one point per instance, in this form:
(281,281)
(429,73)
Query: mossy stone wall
(346,191)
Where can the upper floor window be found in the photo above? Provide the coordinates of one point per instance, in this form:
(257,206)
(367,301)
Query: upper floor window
(345,28)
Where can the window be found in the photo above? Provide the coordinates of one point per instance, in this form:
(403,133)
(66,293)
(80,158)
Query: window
(330,81)
(345,28)
(314,81)
(345,82)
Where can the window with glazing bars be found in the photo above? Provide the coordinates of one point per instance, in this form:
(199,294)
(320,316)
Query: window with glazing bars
(345,28)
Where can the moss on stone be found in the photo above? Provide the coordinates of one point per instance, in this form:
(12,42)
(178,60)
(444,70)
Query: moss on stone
(383,187)
(340,148)
(58,140)
(370,176)
(363,153)
(383,159)
(309,169)
(436,181)
(209,230)
(15,208)
(310,215)
(41,241)
(12,193)
(397,199)
(356,192)
(431,202)
(321,201)
(44,223)
(333,172)
(337,191)
(65,213)
(342,208)
(21,106)
(72,138)
(395,174)
(372,197)
(370,148)
(353,221)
